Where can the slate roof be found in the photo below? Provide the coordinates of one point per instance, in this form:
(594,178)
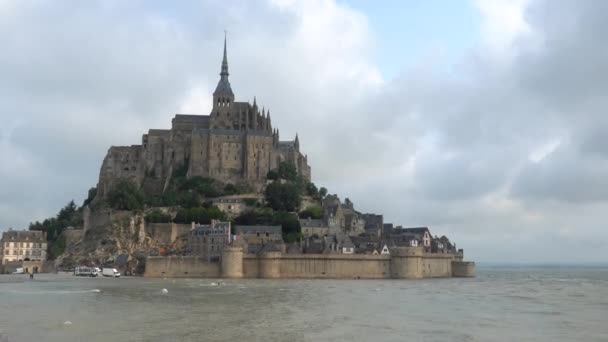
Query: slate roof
(344,241)
(24,235)
(415,230)
(312,223)
(257,229)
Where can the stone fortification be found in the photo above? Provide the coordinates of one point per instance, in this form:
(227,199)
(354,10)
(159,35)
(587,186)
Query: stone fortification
(236,143)
(403,263)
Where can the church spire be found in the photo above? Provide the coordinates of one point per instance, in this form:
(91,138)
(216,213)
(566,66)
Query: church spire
(225,60)
(223,89)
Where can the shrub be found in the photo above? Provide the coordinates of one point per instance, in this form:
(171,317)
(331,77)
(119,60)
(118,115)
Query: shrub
(313,212)
(199,215)
(157,216)
(250,201)
(272,175)
(125,196)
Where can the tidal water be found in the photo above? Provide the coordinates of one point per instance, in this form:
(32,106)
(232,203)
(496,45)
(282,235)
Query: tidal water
(500,304)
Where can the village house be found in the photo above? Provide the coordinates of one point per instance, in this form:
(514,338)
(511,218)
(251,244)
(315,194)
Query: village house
(232,206)
(373,224)
(23,245)
(253,238)
(209,240)
(422,234)
(313,227)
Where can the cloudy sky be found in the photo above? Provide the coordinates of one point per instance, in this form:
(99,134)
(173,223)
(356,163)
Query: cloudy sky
(485,120)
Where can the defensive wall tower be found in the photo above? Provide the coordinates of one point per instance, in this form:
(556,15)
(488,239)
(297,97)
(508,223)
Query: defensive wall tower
(232,262)
(463,268)
(270,265)
(406,262)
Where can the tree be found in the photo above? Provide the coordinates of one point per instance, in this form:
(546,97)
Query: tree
(69,215)
(125,195)
(230,189)
(323,192)
(199,215)
(272,175)
(311,190)
(66,213)
(287,171)
(91,195)
(157,216)
(285,197)
(290,225)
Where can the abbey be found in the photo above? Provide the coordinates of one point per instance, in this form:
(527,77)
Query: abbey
(235,143)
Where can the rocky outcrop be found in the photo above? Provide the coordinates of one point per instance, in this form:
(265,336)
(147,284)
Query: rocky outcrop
(110,237)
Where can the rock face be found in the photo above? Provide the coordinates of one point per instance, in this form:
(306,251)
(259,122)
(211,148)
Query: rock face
(111,237)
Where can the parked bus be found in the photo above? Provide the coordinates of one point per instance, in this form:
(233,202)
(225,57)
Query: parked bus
(85,271)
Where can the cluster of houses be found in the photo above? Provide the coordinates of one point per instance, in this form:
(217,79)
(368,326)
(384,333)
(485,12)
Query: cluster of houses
(341,230)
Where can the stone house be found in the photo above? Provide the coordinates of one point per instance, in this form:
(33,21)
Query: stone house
(339,243)
(373,224)
(209,240)
(23,245)
(258,235)
(231,205)
(342,217)
(314,227)
(422,234)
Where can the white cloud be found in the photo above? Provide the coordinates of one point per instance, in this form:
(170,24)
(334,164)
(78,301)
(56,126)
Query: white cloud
(506,150)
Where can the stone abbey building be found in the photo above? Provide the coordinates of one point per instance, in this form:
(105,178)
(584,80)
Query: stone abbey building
(235,143)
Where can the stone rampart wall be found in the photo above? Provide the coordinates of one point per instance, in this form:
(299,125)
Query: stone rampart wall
(408,264)
(437,265)
(181,267)
(463,268)
(334,266)
(251,266)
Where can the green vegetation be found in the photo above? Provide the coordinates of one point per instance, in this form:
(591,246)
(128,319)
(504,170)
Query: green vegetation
(70,215)
(90,197)
(266,216)
(250,201)
(323,192)
(157,216)
(287,171)
(283,197)
(125,195)
(199,215)
(313,212)
(272,175)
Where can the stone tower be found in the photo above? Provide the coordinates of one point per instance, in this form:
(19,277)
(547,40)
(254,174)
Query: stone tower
(223,98)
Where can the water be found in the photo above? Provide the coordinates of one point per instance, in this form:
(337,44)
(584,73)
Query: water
(501,304)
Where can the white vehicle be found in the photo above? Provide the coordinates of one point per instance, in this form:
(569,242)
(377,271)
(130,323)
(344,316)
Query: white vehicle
(19,271)
(85,271)
(110,272)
